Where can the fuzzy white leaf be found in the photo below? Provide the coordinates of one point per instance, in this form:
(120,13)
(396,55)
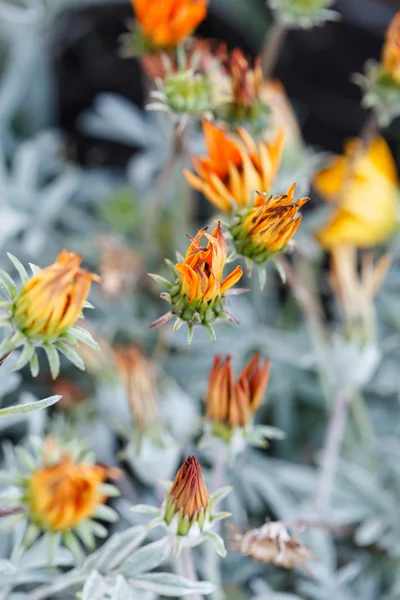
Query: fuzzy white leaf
(168,584)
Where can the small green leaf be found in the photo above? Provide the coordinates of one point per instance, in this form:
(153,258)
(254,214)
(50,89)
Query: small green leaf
(24,357)
(54,360)
(71,354)
(30,407)
(22,272)
(34,365)
(7,285)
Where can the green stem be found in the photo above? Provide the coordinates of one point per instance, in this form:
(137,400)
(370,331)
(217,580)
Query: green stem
(361,417)
(272,47)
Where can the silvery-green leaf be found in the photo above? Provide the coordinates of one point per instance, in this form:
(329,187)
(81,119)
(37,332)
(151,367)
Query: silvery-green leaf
(109,490)
(24,357)
(168,584)
(30,407)
(31,535)
(7,285)
(220,516)
(85,534)
(88,304)
(34,268)
(22,272)
(221,494)
(272,433)
(71,354)
(147,558)
(117,542)
(179,542)
(145,509)
(217,541)
(105,513)
(53,542)
(25,458)
(73,545)
(95,587)
(34,365)
(121,590)
(54,360)
(6,568)
(371,530)
(83,336)
(127,550)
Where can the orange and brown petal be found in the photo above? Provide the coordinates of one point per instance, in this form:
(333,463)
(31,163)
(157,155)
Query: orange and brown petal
(391,49)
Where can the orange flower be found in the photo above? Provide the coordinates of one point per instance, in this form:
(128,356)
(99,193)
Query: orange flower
(62,495)
(201,270)
(229,403)
(391,49)
(188,497)
(268,226)
(245,81)
(234,168)
(137,375)
(52,300)
(166,23)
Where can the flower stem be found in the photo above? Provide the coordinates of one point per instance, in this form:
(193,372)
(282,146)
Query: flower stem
(331,450)
(187,569)
(272,47)
(150,235)
(3,358)
(7,512)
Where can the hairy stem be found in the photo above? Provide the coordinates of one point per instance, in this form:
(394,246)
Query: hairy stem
(161,186)
(14,510)
(187,569)
(331,450)
(272,46)
(3,358)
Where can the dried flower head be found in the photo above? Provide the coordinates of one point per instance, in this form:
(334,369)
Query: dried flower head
(137,375)
(363,185)
(119,268)
(282,115)
(234,168)
(52,300)
(187,510)
(166,23)
(196,296)
(272,543)
(355,292)
(61,491)
(267,227)
(391,50)
(231,404)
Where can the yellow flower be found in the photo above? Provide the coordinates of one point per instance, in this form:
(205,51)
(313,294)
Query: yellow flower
(268,226)
(188,497)
(234,168)
(52,300)
(166,23)
(364,187)
(137,375)
(231,404)
(201,271)
(60,496)
(391,49)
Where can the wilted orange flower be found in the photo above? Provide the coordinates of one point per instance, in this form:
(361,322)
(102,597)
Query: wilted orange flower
(201,271)
(245,81)
(391,49)
(165,23)
(119,268)
(52,300)
(188,497)
(233,403)
(137,375)
(268,226)
(234,168)
(60,496)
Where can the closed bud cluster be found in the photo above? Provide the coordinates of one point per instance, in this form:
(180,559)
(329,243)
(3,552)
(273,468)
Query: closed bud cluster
(231,404)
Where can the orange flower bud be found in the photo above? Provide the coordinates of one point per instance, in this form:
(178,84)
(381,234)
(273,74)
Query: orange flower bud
(188,497)
(231,404)
(52,300)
